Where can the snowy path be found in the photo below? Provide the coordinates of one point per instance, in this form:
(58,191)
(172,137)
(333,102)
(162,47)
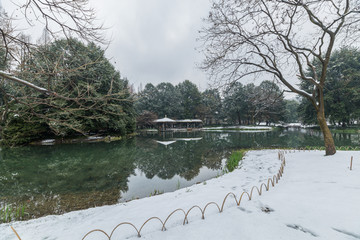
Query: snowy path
(317,198)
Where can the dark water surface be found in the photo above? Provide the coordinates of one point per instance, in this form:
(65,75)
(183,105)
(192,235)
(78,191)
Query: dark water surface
(62,178)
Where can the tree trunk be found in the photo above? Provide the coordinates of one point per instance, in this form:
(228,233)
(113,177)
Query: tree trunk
(328,139)
(239,118)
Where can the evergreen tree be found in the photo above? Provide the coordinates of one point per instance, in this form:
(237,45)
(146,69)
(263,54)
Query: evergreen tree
(291,111)
(190,99)
(342,90)
(210,107)
(91,97)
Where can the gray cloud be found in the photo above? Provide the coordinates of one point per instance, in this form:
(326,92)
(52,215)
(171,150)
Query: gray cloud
(155,40)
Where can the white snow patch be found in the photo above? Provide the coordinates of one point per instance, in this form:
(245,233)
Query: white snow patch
(239,127)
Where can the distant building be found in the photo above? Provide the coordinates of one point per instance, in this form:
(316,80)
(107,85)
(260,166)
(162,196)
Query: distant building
(168,124)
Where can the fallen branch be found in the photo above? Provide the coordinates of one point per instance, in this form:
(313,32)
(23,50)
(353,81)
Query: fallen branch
(9,76)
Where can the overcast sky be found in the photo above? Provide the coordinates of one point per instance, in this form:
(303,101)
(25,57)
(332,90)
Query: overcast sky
(151,41)
(154,40)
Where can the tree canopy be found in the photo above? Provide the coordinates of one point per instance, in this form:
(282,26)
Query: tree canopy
(91,97)
(180,101)
(342,89)
(250,104)
(238,104)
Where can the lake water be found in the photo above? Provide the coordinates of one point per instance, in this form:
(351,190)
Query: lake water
(62,178)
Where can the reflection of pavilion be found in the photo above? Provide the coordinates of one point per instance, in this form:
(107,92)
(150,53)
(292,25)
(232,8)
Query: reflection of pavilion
(168,124)
(188,139)
(165,142)
(178,139)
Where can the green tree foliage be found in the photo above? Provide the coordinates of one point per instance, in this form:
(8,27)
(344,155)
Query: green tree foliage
(247,104)
(291,111)
(269,102)
(236,103)
(4,52)
(342,89)
(250,104)
(91,97)
(210,107)
(190,99)
(3,59)
(146,119)
(147,99)
(161,100)
(168,99)
(180,101)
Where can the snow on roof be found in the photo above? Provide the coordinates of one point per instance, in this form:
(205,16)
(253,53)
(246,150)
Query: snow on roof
(188,139)
(189,120)
(164,120)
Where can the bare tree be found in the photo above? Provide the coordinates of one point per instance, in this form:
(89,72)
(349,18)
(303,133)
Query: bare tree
(280,38)
(60,19)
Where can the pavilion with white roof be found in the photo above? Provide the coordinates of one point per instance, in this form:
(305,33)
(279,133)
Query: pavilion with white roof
(168,124)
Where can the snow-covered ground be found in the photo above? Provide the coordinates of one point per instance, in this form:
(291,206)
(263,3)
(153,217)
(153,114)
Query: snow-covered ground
(318,197)
(239,129)
(297,125)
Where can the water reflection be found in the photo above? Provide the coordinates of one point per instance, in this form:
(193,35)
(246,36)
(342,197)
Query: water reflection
(61,178)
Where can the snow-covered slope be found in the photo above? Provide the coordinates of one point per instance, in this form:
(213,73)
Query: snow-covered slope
(318,197)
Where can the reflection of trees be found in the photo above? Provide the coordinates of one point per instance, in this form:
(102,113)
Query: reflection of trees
(168,161)
(346,139)
(49,173)
(183,158)
(40,205)
(64,177)
(211,158)
(291,139)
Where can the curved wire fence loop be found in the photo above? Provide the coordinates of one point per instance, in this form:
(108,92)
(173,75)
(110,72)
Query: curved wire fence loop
(252,189)
(96,230)
(270,181)
(17,235)
(179,209)
(273,180)
(196,206)
(230,193)
(152,218)
(241,196)
(125,223)
(210,203)
(266,188)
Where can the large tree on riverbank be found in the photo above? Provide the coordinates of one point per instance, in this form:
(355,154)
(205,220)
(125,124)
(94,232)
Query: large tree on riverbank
(91,97)
(62,82)
(279,38)
(60,20)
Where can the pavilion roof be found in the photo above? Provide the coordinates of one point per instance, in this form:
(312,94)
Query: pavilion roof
(189,120)
(164,120)
(169,120)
